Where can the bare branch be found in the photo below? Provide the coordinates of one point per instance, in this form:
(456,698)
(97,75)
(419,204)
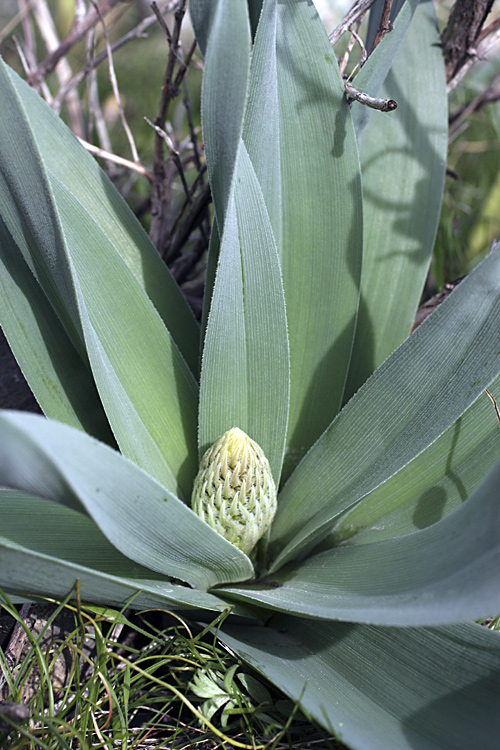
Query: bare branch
(461,35)
(385,23)
(63,70)
(356,12)
(116,92)
(364,55)
(480,52)
(131,165)
(76,34)
(161,206)
(490,94)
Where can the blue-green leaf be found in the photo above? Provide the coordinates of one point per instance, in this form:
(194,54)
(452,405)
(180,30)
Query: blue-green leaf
(403,408)
(301,141)
(245,369)
(446,573)
(383,688)
(45,549)
(403,161)
(137,515)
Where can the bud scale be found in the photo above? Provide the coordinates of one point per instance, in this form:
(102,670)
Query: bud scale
(234,491)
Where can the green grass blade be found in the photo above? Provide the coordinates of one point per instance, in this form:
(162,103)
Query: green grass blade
(403,161)
(311,186)
(245,375)
(409,402)
(383,688)
(62,380)
(78,171)
(58,546)
(449,573)
(141,518)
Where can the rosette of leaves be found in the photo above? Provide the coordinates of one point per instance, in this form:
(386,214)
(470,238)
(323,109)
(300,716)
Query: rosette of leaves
(385,546)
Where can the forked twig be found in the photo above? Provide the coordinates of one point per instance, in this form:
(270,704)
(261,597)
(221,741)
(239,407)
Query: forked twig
(358,9)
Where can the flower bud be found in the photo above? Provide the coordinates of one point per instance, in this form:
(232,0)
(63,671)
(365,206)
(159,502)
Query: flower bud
(234,491)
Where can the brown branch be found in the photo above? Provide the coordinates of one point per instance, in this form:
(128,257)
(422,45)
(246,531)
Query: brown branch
(385,24)
(130,165)
(136,33)
(162,173)
(76,34)
(460,37)
(195,216)
(356,12)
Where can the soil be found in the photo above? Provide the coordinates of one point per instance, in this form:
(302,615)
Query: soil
(14,390)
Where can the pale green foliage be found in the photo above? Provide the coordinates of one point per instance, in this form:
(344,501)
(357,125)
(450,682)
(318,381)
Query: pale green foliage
(385,545)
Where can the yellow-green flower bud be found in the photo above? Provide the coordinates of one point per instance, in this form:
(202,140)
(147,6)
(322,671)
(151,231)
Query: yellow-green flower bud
(234,491)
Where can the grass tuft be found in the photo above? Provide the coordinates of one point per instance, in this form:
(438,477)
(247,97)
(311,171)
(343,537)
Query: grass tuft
(94,677)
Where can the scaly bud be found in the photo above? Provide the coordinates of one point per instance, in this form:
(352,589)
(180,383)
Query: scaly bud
(234,491)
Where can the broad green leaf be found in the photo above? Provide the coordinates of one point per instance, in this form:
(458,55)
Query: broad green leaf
(149,393)
(61,153)
(403,161)
(29,213)
(373,73)
(301,141)
(65,388)
(434,484)
(245,368)
(223,28)
(405,406)
(383,688)
(137,515)
(46,548)
(443,574)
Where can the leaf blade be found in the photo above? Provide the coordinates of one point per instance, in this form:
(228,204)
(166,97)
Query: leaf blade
(403,162)
(53,553)
(141,518)
(245,369)
(449,573)
(295,79)
(424,688)
(406,405)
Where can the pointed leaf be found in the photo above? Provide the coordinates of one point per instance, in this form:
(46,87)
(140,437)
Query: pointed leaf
(224,30)
(61,379)
(407,404)
(149,394)
(383,688)
(434,484)
(142,519)
(47,554)
(374,72)
(91,187)
(403,162)
(450,573)
(141,376)
(245,369)
(308,168)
